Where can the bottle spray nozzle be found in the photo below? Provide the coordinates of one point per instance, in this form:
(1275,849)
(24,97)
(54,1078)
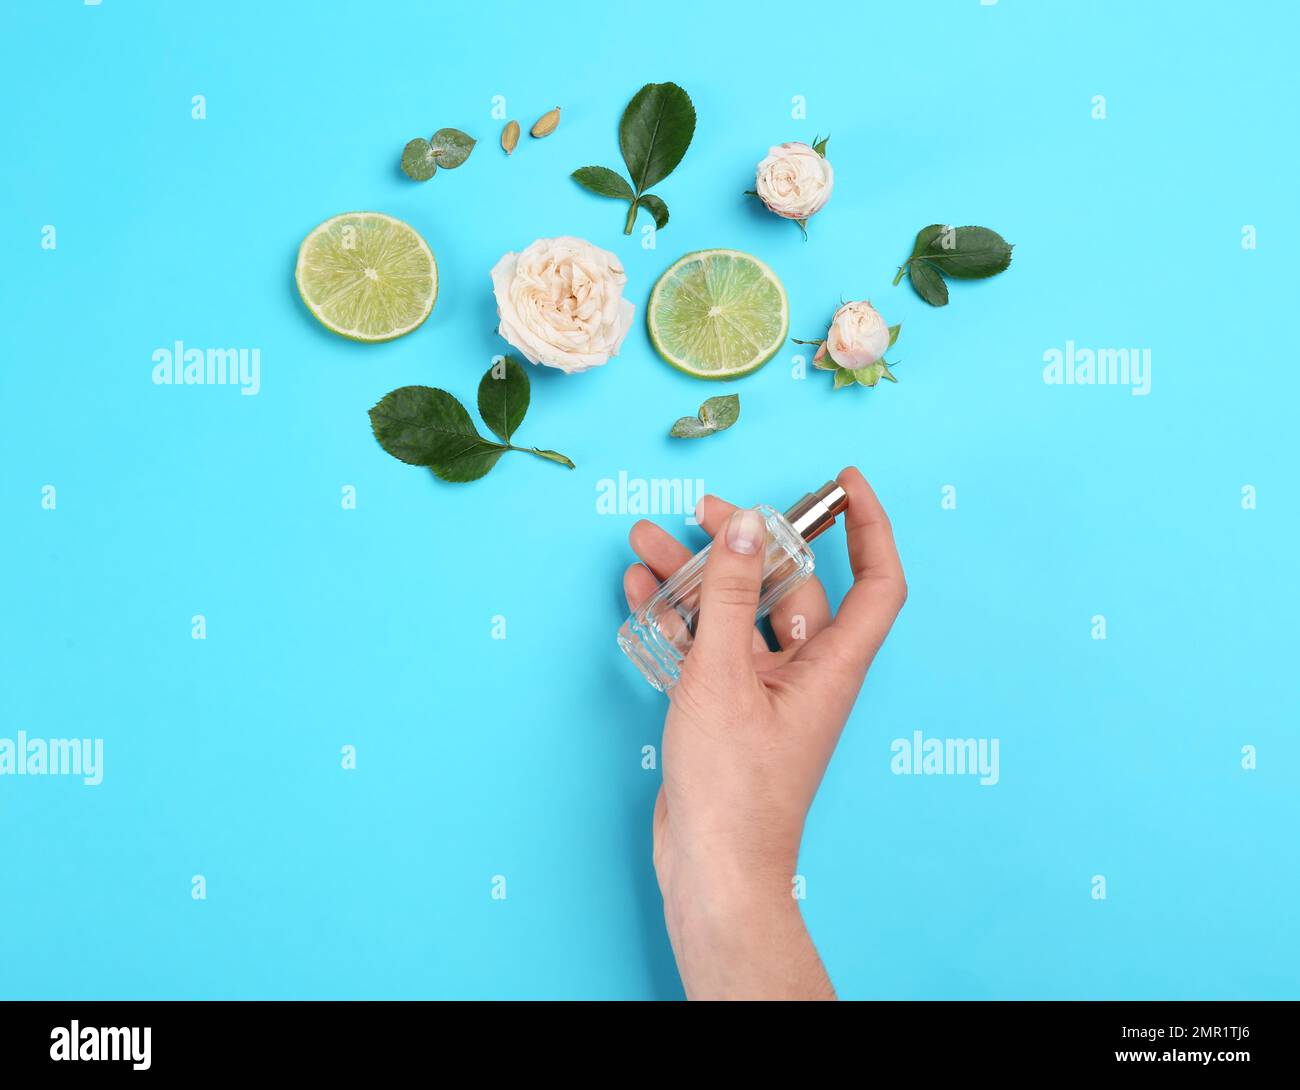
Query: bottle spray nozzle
(817,511)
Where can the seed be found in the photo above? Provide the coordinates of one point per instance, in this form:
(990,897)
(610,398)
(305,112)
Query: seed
(547,123)
(510,136)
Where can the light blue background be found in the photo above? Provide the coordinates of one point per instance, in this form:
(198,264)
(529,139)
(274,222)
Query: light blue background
(521,757)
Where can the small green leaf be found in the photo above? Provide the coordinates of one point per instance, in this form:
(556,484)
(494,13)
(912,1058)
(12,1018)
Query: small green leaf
(825,363)
(654,133)
(927,235)
(417,160)
(968,253)
(690,427)
(843,377)
(450,147)
(503,395)
(928,283)
(885,372)
(470,464)
(715,415)
(819,146)
(869,375)
(606,182)
(720,413)
(552,455)
(893,333)
(656,208)
(425,426)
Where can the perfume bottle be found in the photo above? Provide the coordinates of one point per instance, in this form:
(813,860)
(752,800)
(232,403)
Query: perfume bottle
(657,636)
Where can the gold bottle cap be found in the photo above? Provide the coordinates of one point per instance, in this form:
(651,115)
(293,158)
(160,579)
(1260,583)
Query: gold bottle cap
(816,512)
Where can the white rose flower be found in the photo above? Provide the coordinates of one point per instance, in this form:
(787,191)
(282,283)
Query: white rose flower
(561,303)
(794,181)
(858,336)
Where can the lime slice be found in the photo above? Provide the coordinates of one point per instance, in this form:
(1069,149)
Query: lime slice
(367,276)
(718,314)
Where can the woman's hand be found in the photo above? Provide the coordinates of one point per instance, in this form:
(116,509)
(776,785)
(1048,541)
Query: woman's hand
(747,739)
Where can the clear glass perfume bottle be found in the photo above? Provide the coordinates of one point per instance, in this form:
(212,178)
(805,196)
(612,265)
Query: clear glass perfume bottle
(658,636)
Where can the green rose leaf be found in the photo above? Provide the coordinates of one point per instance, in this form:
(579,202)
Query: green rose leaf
(417,160)
(893,333)
(655,207)
(606,182)
(968,253)
(929,285)
(470,464)
(715,415)
(503,395)
(819,146)
(424,426)
(925,236)
(843,377)
(655,132)
(450,147)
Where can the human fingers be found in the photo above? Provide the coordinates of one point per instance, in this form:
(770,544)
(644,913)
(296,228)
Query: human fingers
(879,587)
(799,615)
(662,554)
(733,576)
(638,584)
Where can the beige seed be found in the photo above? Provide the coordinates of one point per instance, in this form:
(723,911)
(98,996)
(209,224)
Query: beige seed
(547,123)
(510,136)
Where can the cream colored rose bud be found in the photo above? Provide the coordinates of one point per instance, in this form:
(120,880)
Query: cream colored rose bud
(858,336)
(547,123)
(794,181)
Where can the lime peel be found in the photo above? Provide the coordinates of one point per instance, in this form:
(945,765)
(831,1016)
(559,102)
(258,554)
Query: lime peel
(718,314)
(367,276)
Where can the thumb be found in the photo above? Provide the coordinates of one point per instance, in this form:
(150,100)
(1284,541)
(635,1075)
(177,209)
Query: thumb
(733,575)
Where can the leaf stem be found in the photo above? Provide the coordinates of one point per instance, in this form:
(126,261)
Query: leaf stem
(631,219)
(901,269)
(549,455)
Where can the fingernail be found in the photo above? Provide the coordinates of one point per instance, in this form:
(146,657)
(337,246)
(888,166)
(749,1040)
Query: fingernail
(744,531)
(699,512)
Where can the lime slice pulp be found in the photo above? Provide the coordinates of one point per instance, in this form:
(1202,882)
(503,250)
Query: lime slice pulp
(718,314)
(367,276)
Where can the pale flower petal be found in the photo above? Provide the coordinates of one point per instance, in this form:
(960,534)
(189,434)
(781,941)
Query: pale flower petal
(858,336)
(561,303)
(794,181)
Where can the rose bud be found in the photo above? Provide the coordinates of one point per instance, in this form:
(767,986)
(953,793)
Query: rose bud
(794,181)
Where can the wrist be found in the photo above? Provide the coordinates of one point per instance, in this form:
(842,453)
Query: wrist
(737,933)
